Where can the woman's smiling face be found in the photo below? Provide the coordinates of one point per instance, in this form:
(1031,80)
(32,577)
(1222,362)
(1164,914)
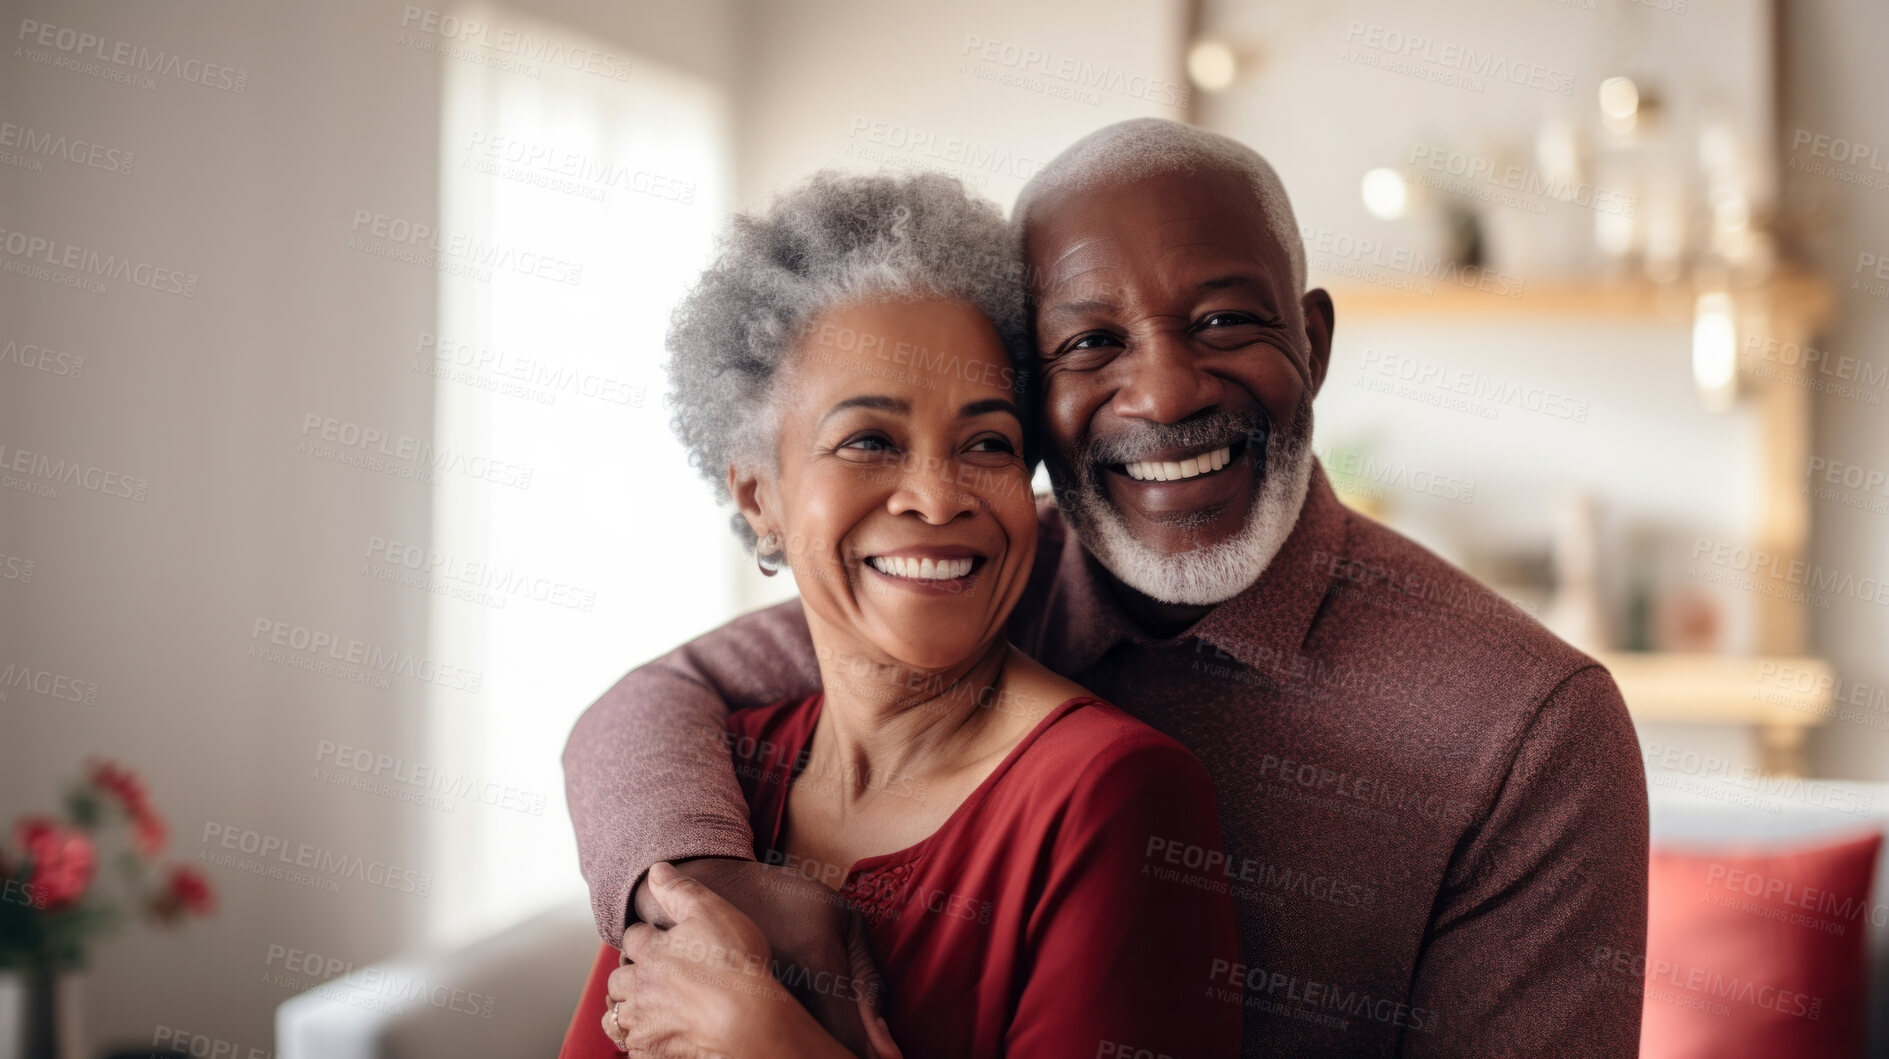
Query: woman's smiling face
(902,498)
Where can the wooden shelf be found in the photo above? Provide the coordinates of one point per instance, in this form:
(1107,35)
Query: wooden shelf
(1721,689)
(1780,697)
(1790,292)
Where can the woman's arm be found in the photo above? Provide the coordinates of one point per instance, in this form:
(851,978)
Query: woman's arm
(1131,947)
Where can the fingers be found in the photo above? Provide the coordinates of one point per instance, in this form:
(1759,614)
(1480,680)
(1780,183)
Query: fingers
(614,1029)
(682,897)
(879,1035)
(868,989)
(638,942)
(865,969)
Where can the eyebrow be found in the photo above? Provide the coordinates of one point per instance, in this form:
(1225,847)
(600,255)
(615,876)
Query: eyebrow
(875,402)
(989,405)
(1080,308)
(880,403)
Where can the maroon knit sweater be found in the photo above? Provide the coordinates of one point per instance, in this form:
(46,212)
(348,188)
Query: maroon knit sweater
(1434,810)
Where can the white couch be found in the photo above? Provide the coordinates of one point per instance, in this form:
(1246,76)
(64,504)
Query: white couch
(531,972)
(436,1005)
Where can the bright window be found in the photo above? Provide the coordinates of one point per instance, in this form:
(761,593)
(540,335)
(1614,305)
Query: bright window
(613,552)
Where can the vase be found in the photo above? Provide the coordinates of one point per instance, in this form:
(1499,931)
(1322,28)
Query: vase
(39,1014)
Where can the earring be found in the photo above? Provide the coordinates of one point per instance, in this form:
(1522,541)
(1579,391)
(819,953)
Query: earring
(767,554)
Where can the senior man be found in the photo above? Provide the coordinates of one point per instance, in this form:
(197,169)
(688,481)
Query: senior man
(1434,810)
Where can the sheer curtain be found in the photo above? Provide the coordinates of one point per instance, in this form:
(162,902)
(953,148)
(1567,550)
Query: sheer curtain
(580,190)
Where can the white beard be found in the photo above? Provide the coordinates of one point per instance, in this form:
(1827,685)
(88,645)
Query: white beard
(1200,576)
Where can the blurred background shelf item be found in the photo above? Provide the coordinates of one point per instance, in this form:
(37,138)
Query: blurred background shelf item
(1780,698)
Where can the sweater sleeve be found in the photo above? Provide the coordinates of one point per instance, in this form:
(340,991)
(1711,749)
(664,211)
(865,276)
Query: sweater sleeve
(646,769)
(1553,880)
(1133,927)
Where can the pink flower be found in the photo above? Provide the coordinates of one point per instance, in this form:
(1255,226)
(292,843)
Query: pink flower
(63,860)
(148,830)
(187,891)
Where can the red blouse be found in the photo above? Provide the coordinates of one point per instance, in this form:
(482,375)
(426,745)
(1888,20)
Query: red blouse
(1046,917)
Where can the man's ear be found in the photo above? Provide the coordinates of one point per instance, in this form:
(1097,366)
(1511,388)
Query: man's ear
(745,486)
(1319,322)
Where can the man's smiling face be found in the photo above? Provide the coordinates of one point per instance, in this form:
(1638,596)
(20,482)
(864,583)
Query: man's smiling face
(1179,369)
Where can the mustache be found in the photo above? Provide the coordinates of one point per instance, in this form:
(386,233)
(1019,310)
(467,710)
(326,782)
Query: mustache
(1212,429)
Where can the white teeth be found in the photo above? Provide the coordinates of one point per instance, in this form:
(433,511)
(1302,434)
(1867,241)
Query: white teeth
(921,569)
(1168,471)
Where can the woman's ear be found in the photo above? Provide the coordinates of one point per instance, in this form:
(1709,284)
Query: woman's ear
(745,486)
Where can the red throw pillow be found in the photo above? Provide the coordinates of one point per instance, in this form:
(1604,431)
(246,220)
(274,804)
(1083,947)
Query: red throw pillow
(1758,953)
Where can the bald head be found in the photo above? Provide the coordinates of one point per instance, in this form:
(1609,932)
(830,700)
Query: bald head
(1129,151)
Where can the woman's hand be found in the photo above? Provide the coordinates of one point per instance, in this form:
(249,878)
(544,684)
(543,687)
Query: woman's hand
(706,985)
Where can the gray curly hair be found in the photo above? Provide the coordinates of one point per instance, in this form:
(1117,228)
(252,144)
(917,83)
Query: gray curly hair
(838,238)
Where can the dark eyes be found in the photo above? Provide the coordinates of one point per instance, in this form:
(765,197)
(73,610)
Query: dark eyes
(1226,320)
(878,443)
(1212,326)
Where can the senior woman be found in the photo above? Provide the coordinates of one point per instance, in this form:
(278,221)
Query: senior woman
(850,374)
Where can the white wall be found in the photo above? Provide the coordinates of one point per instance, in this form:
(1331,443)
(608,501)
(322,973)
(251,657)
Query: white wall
(206,397)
